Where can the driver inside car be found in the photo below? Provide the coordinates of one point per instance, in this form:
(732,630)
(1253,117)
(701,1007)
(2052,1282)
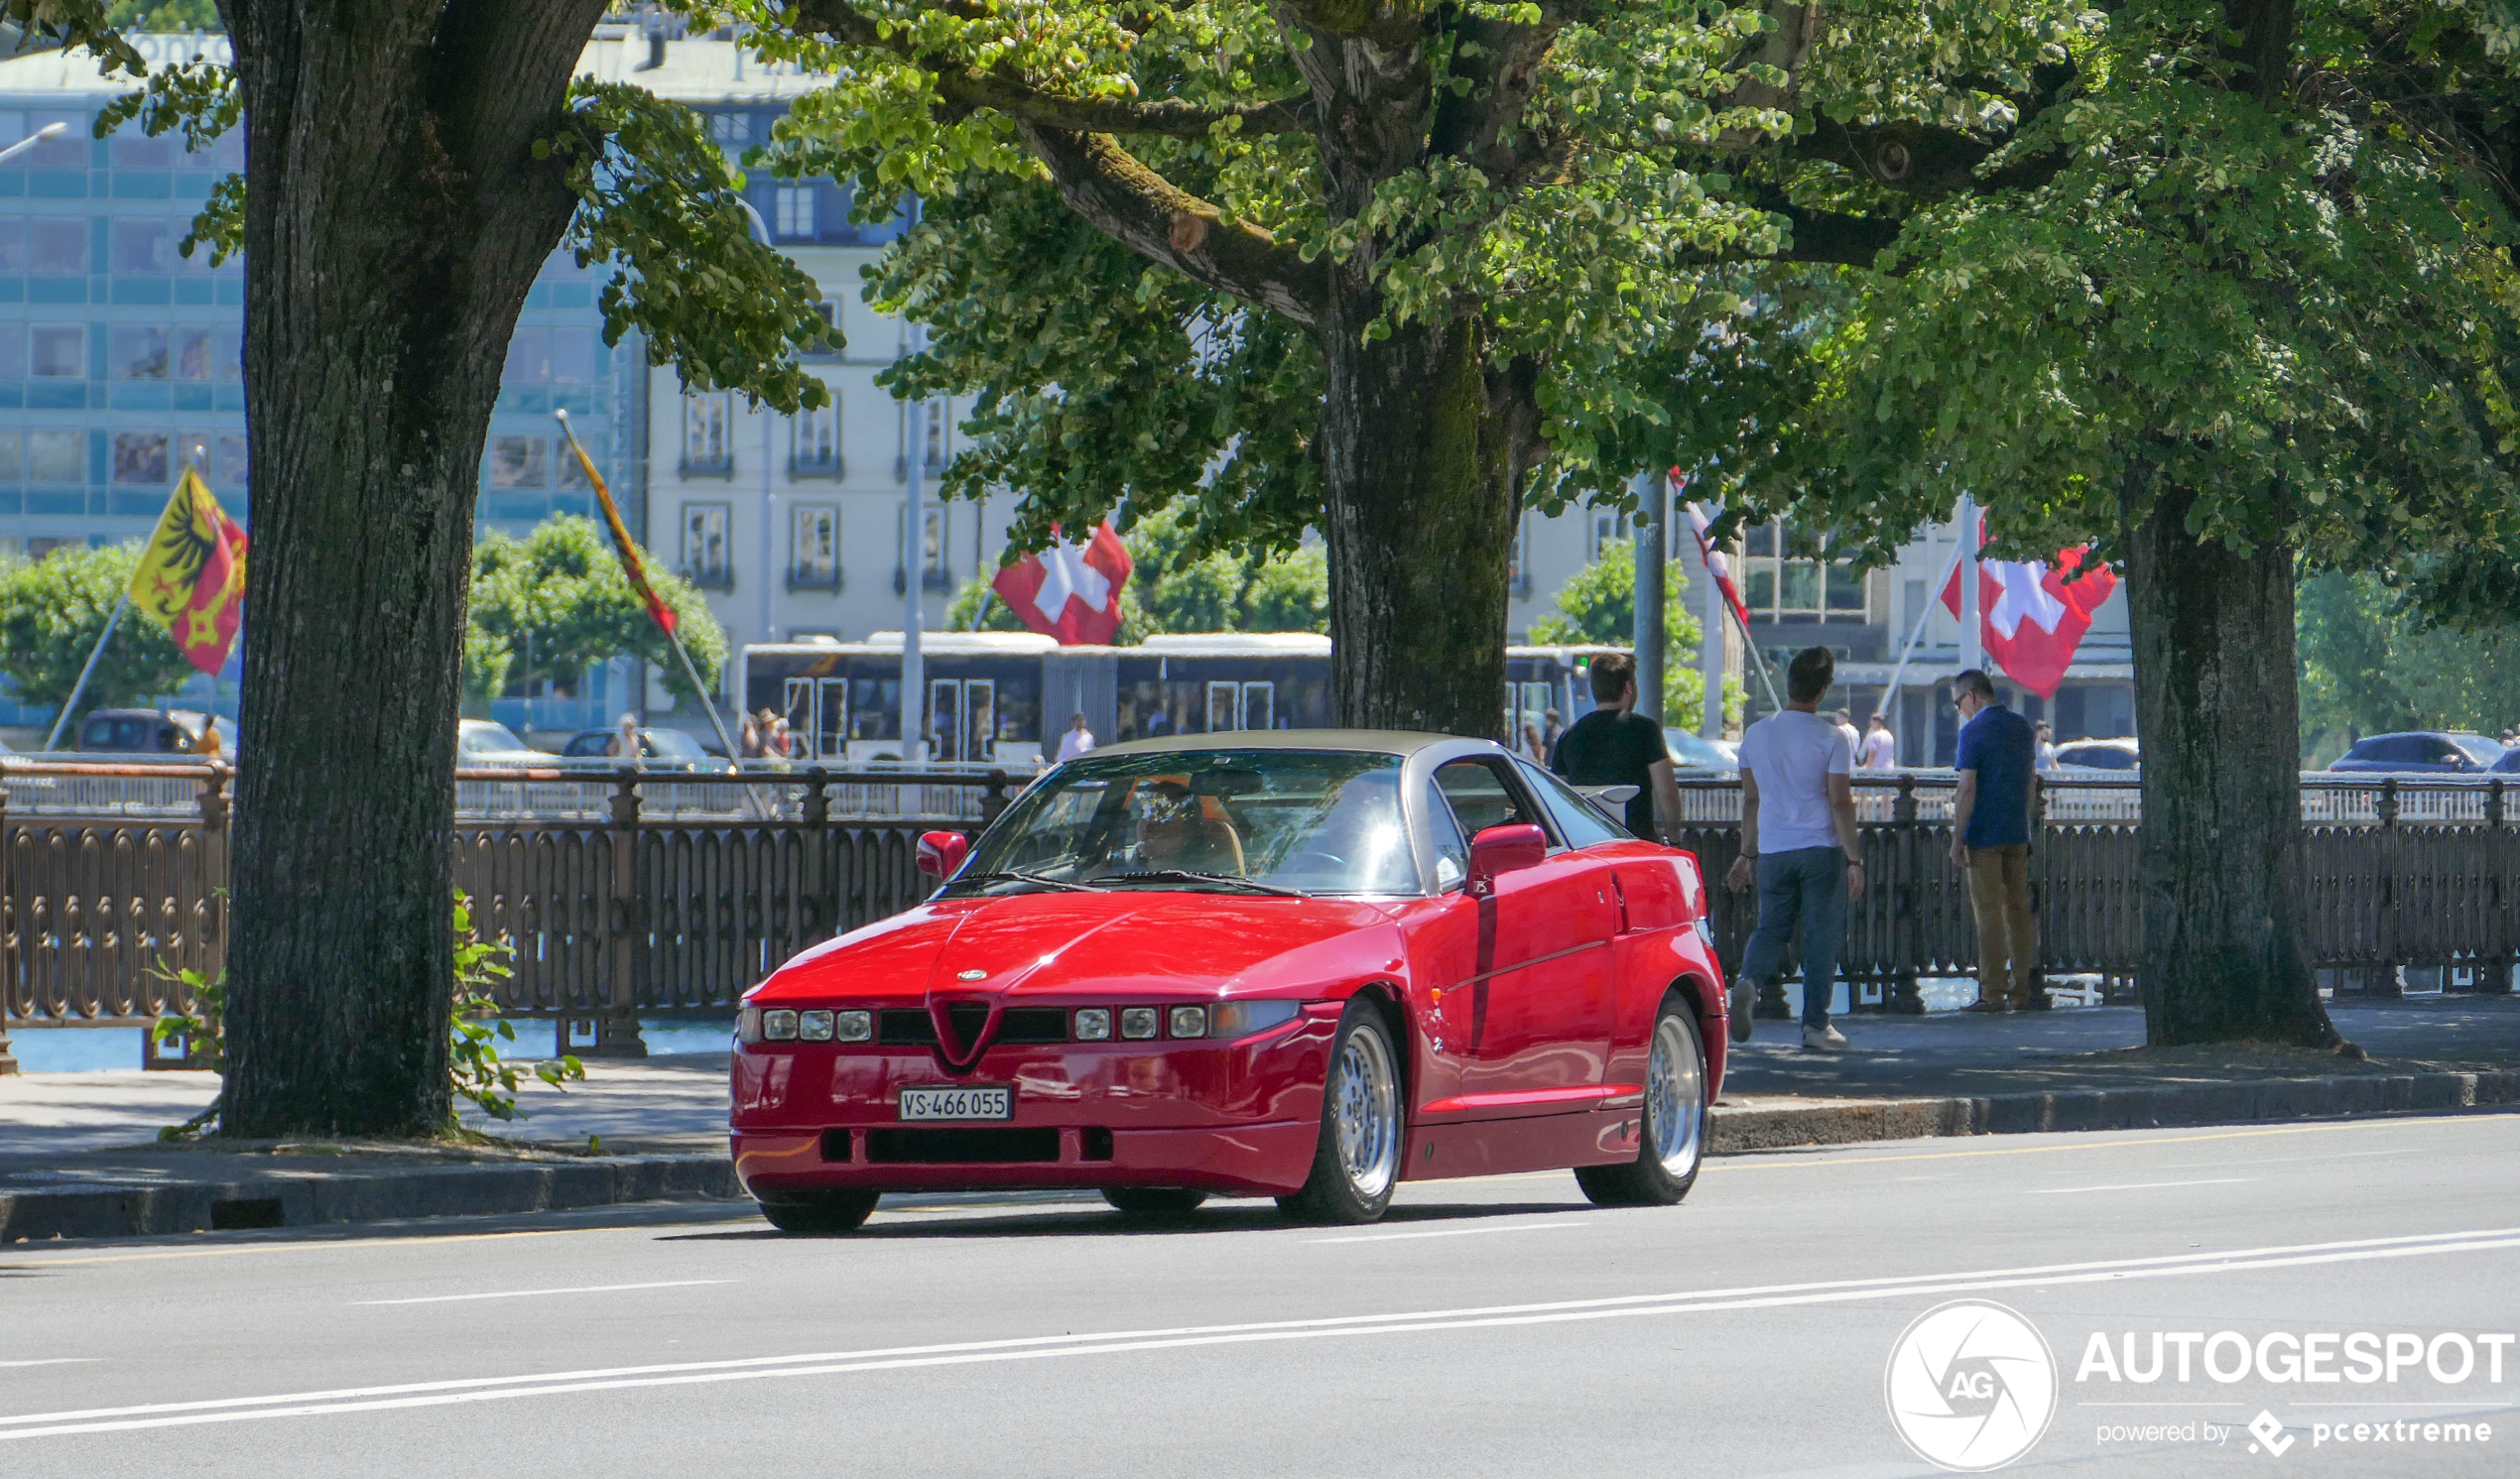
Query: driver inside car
(1176,831)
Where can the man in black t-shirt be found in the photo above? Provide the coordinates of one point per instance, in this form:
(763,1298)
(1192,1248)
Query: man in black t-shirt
(1614,745)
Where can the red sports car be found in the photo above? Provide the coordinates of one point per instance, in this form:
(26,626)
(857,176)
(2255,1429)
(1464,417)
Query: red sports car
(1301,964)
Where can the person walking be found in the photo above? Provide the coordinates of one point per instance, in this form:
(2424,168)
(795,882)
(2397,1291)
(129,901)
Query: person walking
(1614,745)
(1847,727)
(2047,746)
(624,744)
(1991,840)
(1799,845)
(749,741)
(1078,740)
(1880,749)
(1531,746)
(1552,729)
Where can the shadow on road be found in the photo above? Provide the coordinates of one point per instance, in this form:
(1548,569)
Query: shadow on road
(1093,1219)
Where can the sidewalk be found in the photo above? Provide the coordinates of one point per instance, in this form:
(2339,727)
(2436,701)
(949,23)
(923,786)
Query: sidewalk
(78,1158)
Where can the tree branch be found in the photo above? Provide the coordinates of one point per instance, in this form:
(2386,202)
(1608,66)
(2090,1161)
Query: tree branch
(1142,210)
(967,90)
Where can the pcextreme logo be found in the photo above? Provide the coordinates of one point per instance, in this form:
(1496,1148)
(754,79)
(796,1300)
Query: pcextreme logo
(1971,1385)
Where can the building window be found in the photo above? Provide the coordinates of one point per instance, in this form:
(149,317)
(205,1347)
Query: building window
(520,462)
(817,558)
(57,244)
(12,351)
(1786,574)
(577,356)
(139,353)
(730,131)
(1602,526)
(140,457)
(828,345)
(931,550)
(935,419)
(1518,559)
(228,354)
(145,246)
(704,544)
(569,472)
(192,356)
(793,207)
(529,358)
(817,443)
(704,419)
(12,454)
(229,465)
(57,457)
(60,351)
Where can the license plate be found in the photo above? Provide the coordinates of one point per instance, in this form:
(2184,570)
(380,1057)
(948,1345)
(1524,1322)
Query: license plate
(947,1102)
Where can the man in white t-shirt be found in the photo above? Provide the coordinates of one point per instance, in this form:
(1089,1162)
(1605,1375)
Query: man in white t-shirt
(1880,749)
(1078,740)
(1797,842)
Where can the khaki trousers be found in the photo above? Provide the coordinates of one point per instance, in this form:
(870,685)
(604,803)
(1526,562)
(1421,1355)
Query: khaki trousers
(2007,931)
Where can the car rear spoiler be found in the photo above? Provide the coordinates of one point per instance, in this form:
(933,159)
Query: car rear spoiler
(1617,795)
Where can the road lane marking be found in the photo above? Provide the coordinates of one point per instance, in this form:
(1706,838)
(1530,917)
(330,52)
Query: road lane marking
(1446,1232)
(2138,1187)
(1805,1160)
(1118,1342)
(528,1293)
(56,1361)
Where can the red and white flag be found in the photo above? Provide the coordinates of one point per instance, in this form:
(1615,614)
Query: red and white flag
(1716,564)
(2031,618)
(1071,592)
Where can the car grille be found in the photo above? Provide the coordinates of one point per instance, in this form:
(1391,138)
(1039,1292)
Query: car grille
(911,1027)
(959,1147)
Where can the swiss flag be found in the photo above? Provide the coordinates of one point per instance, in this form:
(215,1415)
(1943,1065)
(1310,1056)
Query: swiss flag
(2031,619)
(1071,592)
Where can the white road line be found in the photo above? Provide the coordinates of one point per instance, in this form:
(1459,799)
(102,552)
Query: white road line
(56,1361)
(828,1363)
(528,1293)
(1446,1232)
(2140,1186)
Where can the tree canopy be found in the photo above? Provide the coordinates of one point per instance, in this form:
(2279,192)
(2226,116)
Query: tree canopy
(1598,605)
(563,584)
(53,610)
(2372,662)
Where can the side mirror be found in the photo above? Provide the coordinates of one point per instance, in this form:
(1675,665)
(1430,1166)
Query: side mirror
(1502,849)
(941,854)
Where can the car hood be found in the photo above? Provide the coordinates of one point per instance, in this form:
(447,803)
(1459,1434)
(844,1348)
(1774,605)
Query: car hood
(1111,944)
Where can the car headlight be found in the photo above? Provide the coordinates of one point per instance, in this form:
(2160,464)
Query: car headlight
(1187,1022)
(1138,1022)
(1242,1019)
(852,1027)
(1093,1024)
(779,1026)
(814,1027)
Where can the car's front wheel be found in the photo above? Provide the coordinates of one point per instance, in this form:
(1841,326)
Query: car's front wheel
(1674,1144)
(1154,1202)
(1356,1163)
(827,1212)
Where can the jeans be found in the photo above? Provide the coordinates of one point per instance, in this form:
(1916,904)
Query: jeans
(2007,930)
(1807,886)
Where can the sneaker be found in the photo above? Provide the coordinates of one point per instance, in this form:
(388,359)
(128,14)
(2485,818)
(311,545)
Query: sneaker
(1988,1004)
(1822,1039)
(1737,1008)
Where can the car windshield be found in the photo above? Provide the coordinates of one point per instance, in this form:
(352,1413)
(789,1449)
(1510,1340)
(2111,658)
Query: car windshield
(2479,749)
(486,738)
(1241,820)
(672,744)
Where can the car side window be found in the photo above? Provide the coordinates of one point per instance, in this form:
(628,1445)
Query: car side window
(1484,794)
(1452,847)
(1581,822)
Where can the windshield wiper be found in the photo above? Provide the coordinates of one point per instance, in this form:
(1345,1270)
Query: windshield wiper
(1185,875)
(1018,875)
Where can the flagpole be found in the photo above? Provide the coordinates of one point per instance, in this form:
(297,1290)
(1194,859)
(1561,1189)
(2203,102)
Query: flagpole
(77,689)
(1894,700)
(734,757)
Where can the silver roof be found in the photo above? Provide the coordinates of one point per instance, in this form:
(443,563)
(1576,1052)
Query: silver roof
(1371,741)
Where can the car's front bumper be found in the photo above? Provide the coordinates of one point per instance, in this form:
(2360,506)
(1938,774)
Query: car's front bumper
(1257,1160)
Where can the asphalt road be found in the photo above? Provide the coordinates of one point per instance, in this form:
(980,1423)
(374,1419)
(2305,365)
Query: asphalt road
(1492,1327)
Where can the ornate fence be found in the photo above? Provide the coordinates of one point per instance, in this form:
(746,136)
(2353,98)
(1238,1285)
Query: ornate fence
(680,891)
(615,915)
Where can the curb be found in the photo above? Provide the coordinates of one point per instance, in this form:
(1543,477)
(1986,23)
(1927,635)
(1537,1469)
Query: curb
(1761,1126)
(383,1194)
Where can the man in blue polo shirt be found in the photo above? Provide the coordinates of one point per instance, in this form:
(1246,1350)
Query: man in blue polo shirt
(1991,840)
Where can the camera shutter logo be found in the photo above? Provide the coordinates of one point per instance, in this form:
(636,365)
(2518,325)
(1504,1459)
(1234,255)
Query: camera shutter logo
(1971,1385)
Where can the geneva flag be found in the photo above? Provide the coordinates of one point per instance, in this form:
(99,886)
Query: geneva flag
(1071,592)
(191,576)
(2032,616)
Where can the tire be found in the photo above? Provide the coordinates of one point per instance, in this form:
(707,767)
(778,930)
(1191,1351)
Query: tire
(1154,1202)
(1674,1143)
(831,1212)
(1356,1162)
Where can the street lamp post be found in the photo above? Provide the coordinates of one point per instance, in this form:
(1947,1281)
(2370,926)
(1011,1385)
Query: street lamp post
(769,496)
(47,131)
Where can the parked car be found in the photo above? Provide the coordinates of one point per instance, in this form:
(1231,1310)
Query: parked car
(1250,964)
(486,742)
(1694,752)
(2509,764)
(659,749)
(2099,755)
(155,733)
(2439,751)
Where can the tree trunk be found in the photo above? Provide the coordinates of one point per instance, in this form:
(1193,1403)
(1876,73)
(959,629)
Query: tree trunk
(2217,702)
(394,219)
(1420,466)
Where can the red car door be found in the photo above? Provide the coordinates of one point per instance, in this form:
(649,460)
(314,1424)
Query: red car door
(1524,1013)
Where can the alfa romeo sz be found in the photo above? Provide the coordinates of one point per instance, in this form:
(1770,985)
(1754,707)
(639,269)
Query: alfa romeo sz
(1300,964)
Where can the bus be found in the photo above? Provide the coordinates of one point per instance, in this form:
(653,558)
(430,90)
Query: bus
(1003,698)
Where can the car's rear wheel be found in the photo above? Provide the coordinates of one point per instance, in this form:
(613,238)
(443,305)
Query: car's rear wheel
(829,1213)
(1674,1143)
(1154,1202)
(1356,1162)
